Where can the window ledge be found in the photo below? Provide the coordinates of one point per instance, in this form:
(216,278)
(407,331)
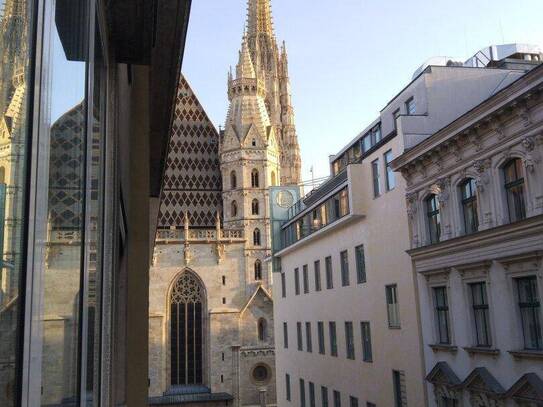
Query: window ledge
(527,354)
(482,350)
(444,348)
(395,327)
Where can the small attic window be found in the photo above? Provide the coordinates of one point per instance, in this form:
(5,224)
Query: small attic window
(253,142)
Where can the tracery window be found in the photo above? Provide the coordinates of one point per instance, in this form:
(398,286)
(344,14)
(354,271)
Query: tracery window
(186,323)
(255,181)
(255,206)
(469,206)
(258,270)
(256,237)
(514,189)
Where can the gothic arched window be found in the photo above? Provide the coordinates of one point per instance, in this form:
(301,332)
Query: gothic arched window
(273,179)
(255,206)
(234,209)
(258,270)
(262,329)
(233,180)
(256,237)
(253,142)
(255,178)
(186,323)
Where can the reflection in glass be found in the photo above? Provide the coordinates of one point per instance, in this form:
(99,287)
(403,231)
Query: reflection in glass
(15,46)
(62,278)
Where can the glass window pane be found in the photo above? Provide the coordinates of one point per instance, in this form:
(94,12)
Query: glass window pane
(15,97)
(65,222)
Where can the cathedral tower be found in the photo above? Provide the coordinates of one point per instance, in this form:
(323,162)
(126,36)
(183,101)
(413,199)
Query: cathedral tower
(271,67)
(249,163)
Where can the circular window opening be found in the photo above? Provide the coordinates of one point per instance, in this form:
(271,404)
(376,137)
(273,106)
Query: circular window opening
(261,374)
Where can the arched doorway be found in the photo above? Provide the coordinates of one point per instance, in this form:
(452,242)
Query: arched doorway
(187,307)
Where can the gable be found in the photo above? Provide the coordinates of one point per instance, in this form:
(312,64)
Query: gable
(481,380)
(528,388)
(444,375)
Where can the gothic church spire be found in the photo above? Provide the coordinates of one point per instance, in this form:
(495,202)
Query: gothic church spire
(259,17)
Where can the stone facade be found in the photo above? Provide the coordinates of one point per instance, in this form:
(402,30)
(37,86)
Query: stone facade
(214,226)
(479,271)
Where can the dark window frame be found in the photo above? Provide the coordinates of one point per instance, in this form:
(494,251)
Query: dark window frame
(365,334)
(468,195)
(333,338)
(515,190)
(433,218)
(308,338)
(390,179)
(320,337)
(305,278)
(329,272)
(442,317)
(349,340)
(360,256)
(345,274)
(376,178)
(530,309)
(481,313)
(317,272)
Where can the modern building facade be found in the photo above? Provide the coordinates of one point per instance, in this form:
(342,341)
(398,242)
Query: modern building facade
(86,92)
(475,208)
(211,308)
(347,326)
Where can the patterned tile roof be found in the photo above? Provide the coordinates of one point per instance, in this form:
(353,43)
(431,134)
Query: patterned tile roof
(192,179)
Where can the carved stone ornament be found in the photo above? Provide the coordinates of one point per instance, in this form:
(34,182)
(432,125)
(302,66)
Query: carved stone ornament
(482,179)
(412,204)
(524,113)
(441,189)
(437,160)
(443,392)
(187,254)
(479,399)
(219,251)
(529,163)
(475,138)
(528,143)
(421,168)
(499,129)
(456,150)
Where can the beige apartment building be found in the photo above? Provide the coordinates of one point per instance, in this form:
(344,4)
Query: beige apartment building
(475,209)
(347,324)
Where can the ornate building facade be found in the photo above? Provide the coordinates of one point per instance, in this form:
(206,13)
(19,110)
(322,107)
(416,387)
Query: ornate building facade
(211,311)
(474,201)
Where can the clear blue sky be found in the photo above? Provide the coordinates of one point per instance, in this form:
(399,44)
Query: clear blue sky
(347,58)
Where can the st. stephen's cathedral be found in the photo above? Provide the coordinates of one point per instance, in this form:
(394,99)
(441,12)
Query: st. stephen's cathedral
(211,309)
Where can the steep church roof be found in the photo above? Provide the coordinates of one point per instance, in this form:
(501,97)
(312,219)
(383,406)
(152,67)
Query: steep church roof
(192,179)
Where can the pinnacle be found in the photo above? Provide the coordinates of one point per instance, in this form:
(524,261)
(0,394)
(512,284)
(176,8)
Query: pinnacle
(245,68)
